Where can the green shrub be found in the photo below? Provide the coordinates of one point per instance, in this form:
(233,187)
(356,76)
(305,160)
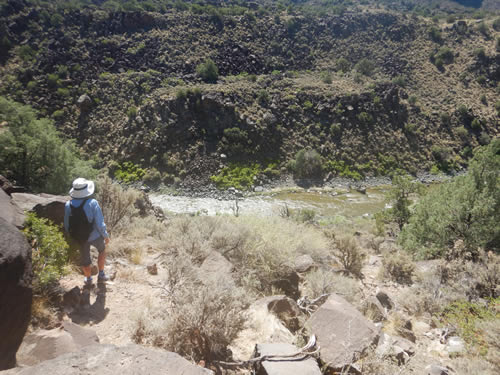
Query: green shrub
(239,176)
(475,124)
(496,24)
(308,164)
(50,250)
(467,209)
(445,54)
(343,65)
(412,100)
(307,105)
(497,107)
(26,53)
(483,28)
(263,96)
(403,187)
(480,53)
(62,91)
(58,114)
(208,71)
(33,154)
(132,112)
(152,177)
(365,67)
(129,172)
(481,80)
(445,118)
(435,35)
(365,118)
(53,80)
(341,168)
(326,77)
(398,267)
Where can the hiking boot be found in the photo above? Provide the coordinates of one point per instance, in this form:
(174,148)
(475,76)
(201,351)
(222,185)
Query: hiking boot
(102,278)
(87,282)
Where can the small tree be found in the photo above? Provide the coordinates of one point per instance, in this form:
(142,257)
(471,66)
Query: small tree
(308,164)
(208,71)
(402,187)
(466,209)
(365,67)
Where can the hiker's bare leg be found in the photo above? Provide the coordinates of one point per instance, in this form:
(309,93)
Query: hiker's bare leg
(86,271)
(101,259)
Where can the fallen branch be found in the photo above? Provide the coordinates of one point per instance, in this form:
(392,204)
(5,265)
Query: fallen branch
(304,352)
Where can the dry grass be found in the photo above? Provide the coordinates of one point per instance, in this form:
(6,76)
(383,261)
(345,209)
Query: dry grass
(398,267)
(350,255)
(324,281)
(197,319)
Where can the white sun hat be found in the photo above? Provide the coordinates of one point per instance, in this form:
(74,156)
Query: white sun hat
(82,188)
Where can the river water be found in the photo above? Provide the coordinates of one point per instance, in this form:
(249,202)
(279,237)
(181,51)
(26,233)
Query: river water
(326,203)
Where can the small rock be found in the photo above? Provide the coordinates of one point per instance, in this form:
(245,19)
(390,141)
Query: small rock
(438,370)
(385,300)
(455,345)
(303,263)
(152,269)
(84,103)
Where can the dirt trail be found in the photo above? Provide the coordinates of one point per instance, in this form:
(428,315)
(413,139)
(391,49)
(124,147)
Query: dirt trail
(112,306)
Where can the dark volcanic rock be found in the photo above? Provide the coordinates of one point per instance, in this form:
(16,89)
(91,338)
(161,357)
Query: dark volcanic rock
(15,291)
(9,211)
(44,205)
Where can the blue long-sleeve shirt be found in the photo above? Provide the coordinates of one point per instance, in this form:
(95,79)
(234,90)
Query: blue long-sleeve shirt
(93,212)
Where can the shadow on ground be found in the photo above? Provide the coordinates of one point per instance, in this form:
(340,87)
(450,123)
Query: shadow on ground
(91,313)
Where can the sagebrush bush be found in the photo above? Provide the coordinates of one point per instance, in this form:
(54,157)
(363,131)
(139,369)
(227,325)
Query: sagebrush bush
(350,255)
(199,319)
(398,267)
(50,250)
(324,281)
(116,203)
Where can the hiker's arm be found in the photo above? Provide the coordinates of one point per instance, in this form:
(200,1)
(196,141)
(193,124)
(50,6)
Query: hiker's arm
(99,221)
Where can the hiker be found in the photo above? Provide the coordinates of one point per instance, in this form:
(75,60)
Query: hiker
(84,222)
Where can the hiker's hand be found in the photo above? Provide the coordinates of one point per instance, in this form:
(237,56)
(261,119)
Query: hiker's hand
(106,240)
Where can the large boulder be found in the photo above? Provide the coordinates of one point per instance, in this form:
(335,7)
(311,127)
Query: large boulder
(44,205)
(15,291)
(6,185)
(282,366)
(43,345)
(343,333)
(112,360)
(9,211)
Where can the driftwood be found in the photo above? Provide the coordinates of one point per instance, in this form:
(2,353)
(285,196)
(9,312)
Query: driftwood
(300,355)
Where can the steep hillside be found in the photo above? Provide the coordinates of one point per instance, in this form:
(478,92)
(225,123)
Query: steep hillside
(371,90)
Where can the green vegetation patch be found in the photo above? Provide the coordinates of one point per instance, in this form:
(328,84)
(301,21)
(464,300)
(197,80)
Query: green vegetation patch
(239,176)
(342,169)
(468,316)
(50,250)
(129,172)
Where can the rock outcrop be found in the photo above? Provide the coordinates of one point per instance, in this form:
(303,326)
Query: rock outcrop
(112,360)
(343,333)
(44,345)
(9,211)
(15,291)
(44,205)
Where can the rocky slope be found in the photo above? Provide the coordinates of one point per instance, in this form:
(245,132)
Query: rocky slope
(146,103)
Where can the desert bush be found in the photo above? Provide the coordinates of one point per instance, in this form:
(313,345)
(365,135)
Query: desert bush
(263,97)
(325,281)
(403,187)
(261,249)
(208,71)
(435,35)
(467,208)
(50,250)
(326,77)
(199,320)
(128,172)
(399,80)
(365,67)
(496,24)
(343,65)
(308,164)
(117,204)
(497,107)
(152,177)
(483,28)
(305,215)
(132,112)
(350,255)
(398,267)
(33,153)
